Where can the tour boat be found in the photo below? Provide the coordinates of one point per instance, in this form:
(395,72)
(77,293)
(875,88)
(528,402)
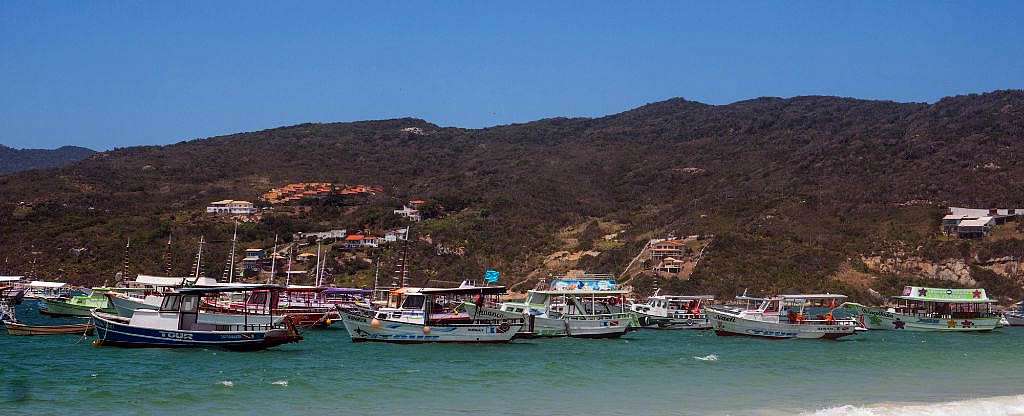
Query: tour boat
(423,315)
(931,309)
(581,313)
(673,312)
(146,292)
(303,304)
(179,323)
(40,290)
(782,317)
(78,305)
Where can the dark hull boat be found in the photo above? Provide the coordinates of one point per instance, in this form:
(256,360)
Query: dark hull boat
(180,324)
(117,331)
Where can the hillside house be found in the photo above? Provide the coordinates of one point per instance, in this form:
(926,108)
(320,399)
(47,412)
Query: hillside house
(409,212)
(976,223)
(662,249)
(231,207)
(669,265)
(354,241)
(335,234)
(253,260)
(400,234)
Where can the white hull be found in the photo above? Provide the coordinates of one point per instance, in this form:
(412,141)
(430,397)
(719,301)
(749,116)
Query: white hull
(879,319)
(662,322)
(1014,319)
(729,322)
(595,326)
(364,328)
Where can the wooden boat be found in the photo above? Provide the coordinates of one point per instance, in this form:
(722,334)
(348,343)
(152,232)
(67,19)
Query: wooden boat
(931,309)
(673,312)
(783,317)
(15,328)
(179,324)
(421,317)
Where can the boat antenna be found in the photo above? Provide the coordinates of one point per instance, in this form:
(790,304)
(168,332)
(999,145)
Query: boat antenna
(273,261)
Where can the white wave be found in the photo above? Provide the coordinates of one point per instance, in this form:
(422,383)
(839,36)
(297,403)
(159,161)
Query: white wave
(709,357)
(283,383)
(227,383)
(991,406)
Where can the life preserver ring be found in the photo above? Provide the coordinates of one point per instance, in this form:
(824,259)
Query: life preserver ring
(829,318)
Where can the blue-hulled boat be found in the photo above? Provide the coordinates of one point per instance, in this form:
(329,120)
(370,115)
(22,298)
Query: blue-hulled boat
(180,322)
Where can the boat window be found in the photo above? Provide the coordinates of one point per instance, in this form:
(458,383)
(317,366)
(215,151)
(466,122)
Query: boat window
(190,304)
(170,303)
(258,298)
(413,302)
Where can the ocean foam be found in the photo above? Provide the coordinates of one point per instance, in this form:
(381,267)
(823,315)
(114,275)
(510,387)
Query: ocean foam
(991,406)
(709,357)
(283,383)
(227,383)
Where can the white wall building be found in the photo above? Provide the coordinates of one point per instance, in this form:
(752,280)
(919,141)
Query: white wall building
(231,207)
(409,212)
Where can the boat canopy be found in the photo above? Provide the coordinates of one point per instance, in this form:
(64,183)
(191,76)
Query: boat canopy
(347,291)
(232,288)
(464,290)
(944,295)
(52,285)
(684,297)
(11,278)
(817,296)
(173,281)
(580,292)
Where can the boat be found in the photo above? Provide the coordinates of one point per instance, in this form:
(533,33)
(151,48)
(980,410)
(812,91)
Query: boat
(1014,316)
(428,315)
(10,298)
(783,317)
(146,292)
(179,324)
(566,312)
(41,290)
(673,312)
(16,328)
(931,309)
(307,306)
(78,305)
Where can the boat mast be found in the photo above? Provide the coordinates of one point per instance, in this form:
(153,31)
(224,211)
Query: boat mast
(231,259)
(316,271)
(125,267)
(167,257)
(273,261)
(288,274)
(199,256)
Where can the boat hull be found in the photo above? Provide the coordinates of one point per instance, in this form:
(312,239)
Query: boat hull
(726,323)
(362,327)
(126,307)
(662,322)
(14,328)
(879,319)
(115,331)
(55,307)
(610,326)
(1014,319)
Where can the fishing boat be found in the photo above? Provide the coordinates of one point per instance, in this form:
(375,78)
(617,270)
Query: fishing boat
(78,305)
(931,309)
(575,311)
(673,312)
(305,305)
(179,324)
(426,315)
(41,290)
(783,317)
(10,298)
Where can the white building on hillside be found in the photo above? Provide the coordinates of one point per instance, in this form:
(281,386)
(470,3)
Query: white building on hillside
(231,207)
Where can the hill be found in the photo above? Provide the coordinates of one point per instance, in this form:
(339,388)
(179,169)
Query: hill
(797,192)
(15,160)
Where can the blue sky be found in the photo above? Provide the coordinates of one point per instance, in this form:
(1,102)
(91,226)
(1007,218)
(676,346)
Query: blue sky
(110,74)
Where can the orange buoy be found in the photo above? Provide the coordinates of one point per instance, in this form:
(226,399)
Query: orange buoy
(375,323)
(426,330)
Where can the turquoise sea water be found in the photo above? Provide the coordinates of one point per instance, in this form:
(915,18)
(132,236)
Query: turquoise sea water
(645,373)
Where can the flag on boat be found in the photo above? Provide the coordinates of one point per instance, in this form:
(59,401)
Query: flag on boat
(491,276)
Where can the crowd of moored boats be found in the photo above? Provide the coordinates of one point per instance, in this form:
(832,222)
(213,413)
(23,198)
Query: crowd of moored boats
(155,311)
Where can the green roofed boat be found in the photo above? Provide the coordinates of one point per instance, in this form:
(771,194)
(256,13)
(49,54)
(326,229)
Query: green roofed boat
(931,309)
(79,305)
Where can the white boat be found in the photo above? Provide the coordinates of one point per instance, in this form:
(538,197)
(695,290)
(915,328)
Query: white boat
(931,309)
(673,312)
(1015,315)
(420,315)
(41,290)
(581,313)
(783,317)
(146,292)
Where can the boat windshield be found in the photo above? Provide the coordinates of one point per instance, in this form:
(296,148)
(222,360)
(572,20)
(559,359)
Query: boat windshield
(413,302)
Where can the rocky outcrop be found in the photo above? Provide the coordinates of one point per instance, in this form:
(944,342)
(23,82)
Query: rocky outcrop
(952,270)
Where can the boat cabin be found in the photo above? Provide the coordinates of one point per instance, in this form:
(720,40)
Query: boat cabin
(435,305)
(799,309)
(183,310)
(670,305)
(943,303)
(556,303)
